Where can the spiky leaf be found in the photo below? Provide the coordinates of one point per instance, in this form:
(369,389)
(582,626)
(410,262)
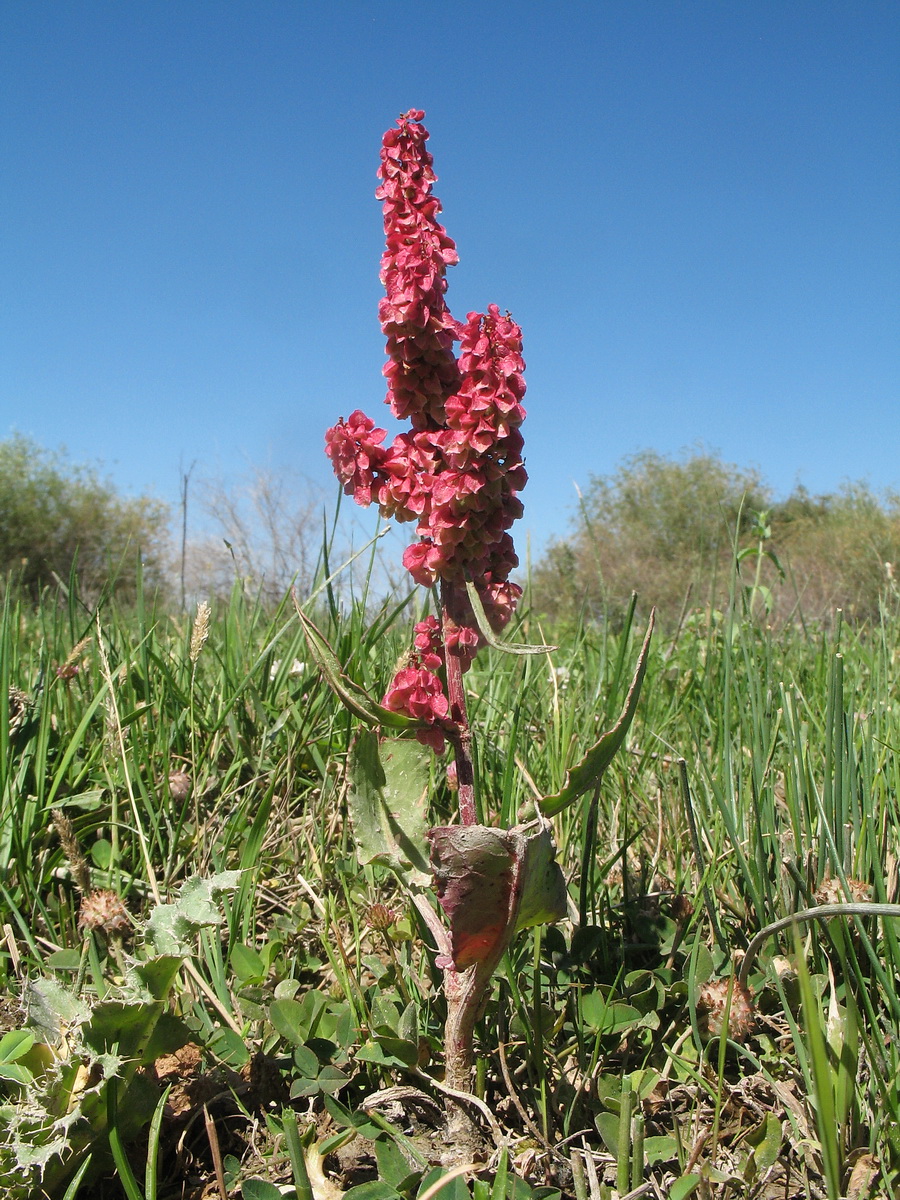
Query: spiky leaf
(171,927)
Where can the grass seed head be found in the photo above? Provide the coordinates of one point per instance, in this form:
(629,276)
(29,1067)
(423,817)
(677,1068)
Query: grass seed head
(75,661)
(18,705)
(200,632)
(65,831)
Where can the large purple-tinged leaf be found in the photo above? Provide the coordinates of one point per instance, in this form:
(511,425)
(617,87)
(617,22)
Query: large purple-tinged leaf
(473,869)
(493,882)
(589,772)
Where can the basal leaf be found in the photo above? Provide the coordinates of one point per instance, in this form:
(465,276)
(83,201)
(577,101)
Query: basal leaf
(588,773)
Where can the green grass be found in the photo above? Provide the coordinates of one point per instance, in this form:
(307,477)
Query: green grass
(599,1056)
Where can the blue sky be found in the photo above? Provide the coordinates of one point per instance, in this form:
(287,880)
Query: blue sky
(691,208)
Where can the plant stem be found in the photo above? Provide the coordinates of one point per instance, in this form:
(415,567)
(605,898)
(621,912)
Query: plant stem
(461,738)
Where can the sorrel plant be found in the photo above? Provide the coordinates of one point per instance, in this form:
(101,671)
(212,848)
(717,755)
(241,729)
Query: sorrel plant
(457,473)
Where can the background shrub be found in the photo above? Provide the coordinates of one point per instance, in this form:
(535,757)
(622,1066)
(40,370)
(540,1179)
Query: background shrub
(670,529)
(56,515)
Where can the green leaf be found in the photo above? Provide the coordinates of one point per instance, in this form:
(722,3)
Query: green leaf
(456,1189)
(247,964)
(765,1142)
(72,1189)
(287,1018)
(14,1044)
(398,1048)
(393,1168)
(101,853)
(683,1187)
(260,1189)
(372,1051)
(306,1062)
(487,633)
(229,1048)
(375,1190)
(660,1149)
(331,1080)
(64,960)
(608,1127)
(542,895)
(169,1035)
(350,694)
(387,797)
(348,1119)
(85,801)
(153,979)
(589,772)
(121,1028)
(605,1018)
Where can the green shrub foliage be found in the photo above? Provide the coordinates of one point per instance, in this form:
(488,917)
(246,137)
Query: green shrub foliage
(672,530)
(57,516)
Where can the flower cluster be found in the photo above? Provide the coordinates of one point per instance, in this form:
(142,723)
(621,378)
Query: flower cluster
(416,688)
(458,471)
(422,370)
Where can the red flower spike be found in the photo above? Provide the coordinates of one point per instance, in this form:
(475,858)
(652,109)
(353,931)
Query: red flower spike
(459,470)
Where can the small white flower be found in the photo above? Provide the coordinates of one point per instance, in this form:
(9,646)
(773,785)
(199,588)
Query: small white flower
(297,668)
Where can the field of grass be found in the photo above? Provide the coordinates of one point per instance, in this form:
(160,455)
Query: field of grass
(203,992)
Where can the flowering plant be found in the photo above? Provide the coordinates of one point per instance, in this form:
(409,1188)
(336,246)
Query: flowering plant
(457,473)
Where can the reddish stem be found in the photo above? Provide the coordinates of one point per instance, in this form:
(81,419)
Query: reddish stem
(461,738)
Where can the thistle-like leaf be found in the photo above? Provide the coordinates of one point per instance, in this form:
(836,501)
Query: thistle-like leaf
(589,772)
(171,927)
